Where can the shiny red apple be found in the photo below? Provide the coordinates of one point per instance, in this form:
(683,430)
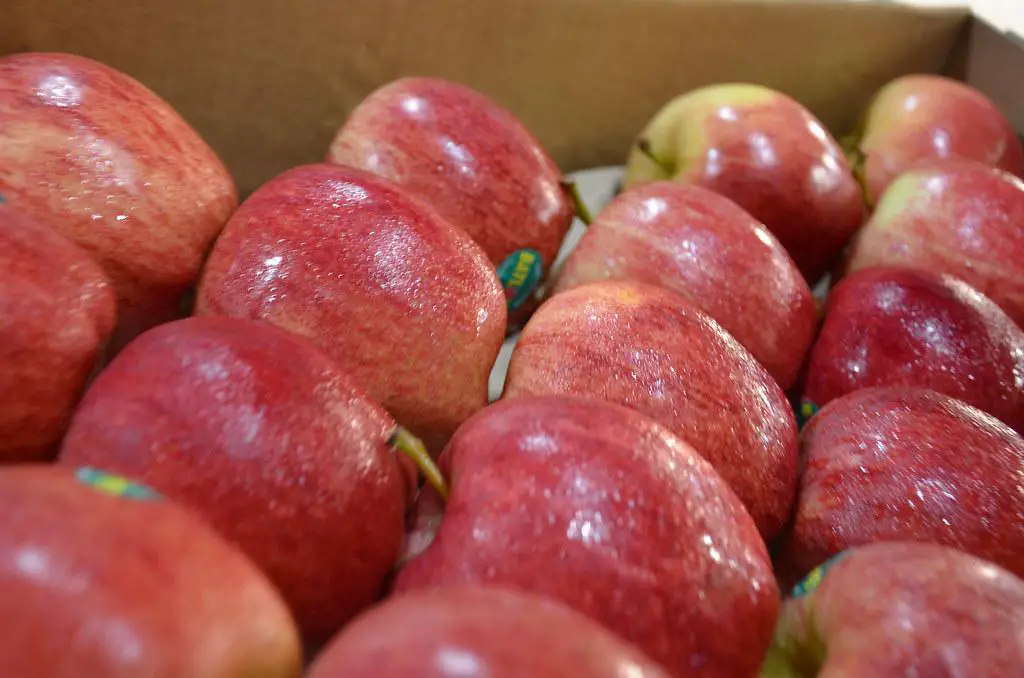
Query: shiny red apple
(102,577)
(766,152)
(406,303)
(604,509)
(651,349)
(889,464)
(705,247)
(896,326)
(110,165)
(270,442)
(478,631)
(57,310)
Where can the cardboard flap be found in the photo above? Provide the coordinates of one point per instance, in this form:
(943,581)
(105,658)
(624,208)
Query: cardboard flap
(267,83)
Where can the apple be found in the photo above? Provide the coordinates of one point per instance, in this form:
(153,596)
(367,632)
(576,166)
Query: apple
(651,349)
(111,166)
(896,463)
(478,631)
(897,326)
(406,303)
(708,249)
(902,609)
(601,507)
(266,438)
(765,151)
(102,577)
(474,161)
(57,311)
(919,117)
(956,217)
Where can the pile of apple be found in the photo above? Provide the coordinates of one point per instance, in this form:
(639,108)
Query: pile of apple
(252,440)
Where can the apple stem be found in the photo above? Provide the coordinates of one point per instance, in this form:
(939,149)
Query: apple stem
(644,146)
(412,447)
(578,206)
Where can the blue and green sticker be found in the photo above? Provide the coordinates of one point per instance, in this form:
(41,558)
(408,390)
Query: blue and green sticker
(806,411)
(520,274)
(116,486)
(813,580)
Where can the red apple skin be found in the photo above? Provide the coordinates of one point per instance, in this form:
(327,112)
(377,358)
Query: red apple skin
(649,348)
(100,585)
(955,217)
(479,631)
(602,508)
(928,117)
(112,167)
(708,249)
(894,326)
(903,609)
(270,442)
(406,303)
(57,311)
(469,157)
(890,464)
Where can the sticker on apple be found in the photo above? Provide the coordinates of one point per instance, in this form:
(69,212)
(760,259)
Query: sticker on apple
(520,274)
(115,486)
(813,580)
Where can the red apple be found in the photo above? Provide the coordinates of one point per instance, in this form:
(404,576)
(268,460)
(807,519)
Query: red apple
(405,302)
(478,631)
(111,166)
(270,442)
(924,117)
(766,152)
(57,311)
(710,250)
(604,509)
(902,609)
(893,326)
(650,349)
(102,577)
(888,464)
(955,217)
(471,159)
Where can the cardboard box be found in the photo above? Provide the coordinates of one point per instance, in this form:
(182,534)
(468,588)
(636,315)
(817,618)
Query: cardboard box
(267,83)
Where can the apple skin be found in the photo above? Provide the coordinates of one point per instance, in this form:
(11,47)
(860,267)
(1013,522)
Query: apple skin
(649,348)
(112,167)
(121,585)
(897,609)
(896,326)
(894,463)
(956,217)
(604,509)
(708,249)
(766,152)
(407,304)
(917,118)
(267,439)
(57,311)
(480,631)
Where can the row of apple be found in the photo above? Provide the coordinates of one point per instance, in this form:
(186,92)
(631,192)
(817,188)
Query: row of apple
(378,307)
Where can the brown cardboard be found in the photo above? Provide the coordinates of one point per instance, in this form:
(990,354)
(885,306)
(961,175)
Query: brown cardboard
(267,82)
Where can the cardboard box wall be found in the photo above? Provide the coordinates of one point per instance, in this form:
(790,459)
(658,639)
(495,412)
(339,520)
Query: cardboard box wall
(267,82)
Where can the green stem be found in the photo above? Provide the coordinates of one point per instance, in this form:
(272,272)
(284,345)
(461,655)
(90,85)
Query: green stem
(414,449)
(578,205)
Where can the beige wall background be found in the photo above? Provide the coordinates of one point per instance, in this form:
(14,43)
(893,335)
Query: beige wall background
(1005,14)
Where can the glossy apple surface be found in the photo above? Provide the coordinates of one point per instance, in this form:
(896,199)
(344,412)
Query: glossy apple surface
(111,166)
(708,249)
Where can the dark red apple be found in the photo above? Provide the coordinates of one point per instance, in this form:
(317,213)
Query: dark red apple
(474,161)
(405,302)
(57,310)
(102,577)
(649,348)
(891,326)
(604,509)
(765,151)
(479,631)
(888,464)
(925,117)
(268,440)
(705,247)
(902,609)
(111,166)
(955,217)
